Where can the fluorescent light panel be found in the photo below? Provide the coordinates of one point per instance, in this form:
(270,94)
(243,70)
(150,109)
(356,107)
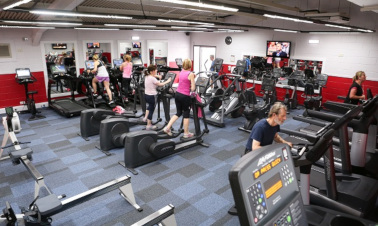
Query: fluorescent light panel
(288,18)
(134,37)
(73,14)
(290,31)
(16,4)
(200,5)
(128,25)
(10,26)
(147,30)
(97,28)
(313,41)
(363,30)
(187,22)
(196,28)
(41,22)
(229,30)
(337,26)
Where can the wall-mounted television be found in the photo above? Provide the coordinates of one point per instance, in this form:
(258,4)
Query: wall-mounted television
(59,45)
(93,45)
(278,49)
(137,44)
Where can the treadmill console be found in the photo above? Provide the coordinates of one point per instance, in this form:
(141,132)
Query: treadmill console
(58,69)
(265,188)
(89,64)
(23,73)
(117,62)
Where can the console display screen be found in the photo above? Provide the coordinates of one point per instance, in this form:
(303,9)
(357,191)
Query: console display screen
(117,62)
(89,64)
(23,73)
(58,69)
(272,185)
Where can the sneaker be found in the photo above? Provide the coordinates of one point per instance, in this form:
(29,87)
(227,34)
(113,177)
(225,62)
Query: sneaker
(95,94)
(167,131)
(151,127)
(188,135)
(111,102)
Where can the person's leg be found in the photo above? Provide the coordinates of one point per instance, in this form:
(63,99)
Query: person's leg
(186,109)
(125,87)
(167,128)
(106,84)
(150,99)
(94,84)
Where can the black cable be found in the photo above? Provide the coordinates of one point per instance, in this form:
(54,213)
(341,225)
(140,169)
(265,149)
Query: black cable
(143,9)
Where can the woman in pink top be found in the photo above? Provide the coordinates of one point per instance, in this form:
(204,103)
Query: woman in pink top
(182,98)
(150,85)
(127,68)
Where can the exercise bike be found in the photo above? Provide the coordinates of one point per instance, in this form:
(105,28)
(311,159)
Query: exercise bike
(24,77)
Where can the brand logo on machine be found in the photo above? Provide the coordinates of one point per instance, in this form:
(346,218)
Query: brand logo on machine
(169,148)
(265,158)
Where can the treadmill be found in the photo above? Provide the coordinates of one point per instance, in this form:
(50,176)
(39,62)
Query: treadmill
(68,107)
(266,191)
(348,193)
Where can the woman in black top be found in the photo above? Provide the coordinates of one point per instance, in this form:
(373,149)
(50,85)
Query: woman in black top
(356,92)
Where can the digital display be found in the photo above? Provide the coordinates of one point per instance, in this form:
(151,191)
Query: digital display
(23,73)
(117,62)
(272,185)
(267,167)
(278,49)
(137,61)
(59,46)
(58,68)
(89,64)
(137,44)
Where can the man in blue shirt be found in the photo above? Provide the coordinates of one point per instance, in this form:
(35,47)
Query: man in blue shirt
(265,131)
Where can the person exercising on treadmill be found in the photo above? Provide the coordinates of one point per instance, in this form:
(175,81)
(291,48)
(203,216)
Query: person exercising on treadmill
(265,131)
(102,75)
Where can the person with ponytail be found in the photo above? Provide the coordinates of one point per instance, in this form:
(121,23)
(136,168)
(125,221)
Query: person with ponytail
(150,85)
(356,93)
(182,98)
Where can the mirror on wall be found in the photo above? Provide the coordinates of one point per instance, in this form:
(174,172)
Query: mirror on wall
(133,48)
(60,55)
(302,64)
(102,49)
(156,50)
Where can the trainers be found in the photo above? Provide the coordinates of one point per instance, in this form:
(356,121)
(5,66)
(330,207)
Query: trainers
(111,102)
(167,131)
(151,127)
(95,94)
(188,135)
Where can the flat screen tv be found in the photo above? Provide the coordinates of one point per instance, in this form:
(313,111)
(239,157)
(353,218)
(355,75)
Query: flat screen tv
(278,49)
(136,44)
(59,45)
(93,45)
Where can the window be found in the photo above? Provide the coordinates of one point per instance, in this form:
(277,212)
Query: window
(5,50)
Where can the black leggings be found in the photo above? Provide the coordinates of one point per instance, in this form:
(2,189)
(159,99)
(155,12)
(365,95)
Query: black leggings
(126,85)
(182,104)
(151,100)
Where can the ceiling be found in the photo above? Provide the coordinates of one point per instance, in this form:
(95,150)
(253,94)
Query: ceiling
(145,15)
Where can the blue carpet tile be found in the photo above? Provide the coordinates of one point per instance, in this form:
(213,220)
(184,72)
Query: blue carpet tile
(195,181)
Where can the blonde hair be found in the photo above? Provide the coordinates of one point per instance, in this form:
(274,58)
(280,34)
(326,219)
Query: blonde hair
(187,65)
(127,57)
(275,109)
(358,75)
(95,57)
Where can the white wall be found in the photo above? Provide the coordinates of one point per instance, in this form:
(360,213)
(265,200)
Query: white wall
(342,54)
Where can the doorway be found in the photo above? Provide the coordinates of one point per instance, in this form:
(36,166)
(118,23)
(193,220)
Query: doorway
(201,57)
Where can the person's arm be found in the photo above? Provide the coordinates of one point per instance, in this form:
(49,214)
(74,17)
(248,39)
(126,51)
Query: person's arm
(163,83)
(278,139)
(158,76)
(121,67)
(255,144)
(192,82)
(352,94)
(95,67)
